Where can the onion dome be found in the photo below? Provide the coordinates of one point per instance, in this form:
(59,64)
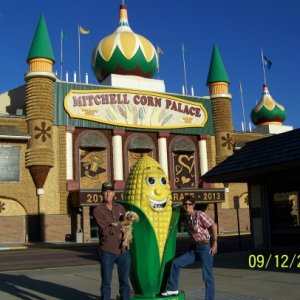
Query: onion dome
(124,52)
(268,111)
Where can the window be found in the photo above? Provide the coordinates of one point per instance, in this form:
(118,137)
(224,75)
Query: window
(183,154)
(286,210)
(9,163)
(139,146)
(93,161)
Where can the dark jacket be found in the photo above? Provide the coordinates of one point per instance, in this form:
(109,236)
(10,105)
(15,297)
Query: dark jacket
(110,234)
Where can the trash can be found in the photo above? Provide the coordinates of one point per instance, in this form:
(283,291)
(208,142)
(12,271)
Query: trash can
(79,236)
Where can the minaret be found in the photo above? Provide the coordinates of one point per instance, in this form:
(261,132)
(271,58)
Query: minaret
(40,106)
(218,82)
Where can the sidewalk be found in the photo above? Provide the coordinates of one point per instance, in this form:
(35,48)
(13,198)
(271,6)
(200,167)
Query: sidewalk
(234,281)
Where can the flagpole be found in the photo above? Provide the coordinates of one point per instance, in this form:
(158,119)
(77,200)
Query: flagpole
(263,65)
(61,54)
(79,69)
(184,69)
(157,50)
(243,110)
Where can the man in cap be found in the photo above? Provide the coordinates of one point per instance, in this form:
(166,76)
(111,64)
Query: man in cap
(109,217)
(203,233)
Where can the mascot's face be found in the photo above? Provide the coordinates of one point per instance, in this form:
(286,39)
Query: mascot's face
(155,188)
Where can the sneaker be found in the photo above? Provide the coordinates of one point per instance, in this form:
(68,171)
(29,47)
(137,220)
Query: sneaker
(169,293)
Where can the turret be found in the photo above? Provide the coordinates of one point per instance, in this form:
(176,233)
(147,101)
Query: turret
(218,82)
(39,106)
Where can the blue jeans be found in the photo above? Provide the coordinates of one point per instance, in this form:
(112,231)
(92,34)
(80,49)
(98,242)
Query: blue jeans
(197,252)
(107,261)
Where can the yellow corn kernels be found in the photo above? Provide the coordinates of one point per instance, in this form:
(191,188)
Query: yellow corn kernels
(148,188)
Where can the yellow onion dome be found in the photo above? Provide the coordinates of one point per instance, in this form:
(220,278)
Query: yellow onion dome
(268,111)
(124,52)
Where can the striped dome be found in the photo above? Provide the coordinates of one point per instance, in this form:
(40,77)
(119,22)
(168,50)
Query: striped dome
(124,52)
(268,111)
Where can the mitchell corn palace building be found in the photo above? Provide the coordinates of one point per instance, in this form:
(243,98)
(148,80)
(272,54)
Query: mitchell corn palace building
(61,140)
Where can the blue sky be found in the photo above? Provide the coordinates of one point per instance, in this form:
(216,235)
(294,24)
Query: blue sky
(239,28)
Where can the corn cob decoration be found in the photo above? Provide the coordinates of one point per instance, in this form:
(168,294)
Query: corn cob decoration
(147,192)
(147,187)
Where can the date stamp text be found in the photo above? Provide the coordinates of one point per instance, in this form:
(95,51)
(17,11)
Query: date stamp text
(271,260)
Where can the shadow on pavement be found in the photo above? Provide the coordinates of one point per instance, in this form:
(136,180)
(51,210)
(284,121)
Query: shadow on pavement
(23,287)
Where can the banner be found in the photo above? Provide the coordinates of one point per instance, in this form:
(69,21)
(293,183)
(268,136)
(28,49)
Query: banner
(130,108)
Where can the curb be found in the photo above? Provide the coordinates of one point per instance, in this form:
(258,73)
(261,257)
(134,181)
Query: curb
(45,245)
(13,248)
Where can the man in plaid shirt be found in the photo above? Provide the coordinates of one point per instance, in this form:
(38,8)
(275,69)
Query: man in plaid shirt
(203,233)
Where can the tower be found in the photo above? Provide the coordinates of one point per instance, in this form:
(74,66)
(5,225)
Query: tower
(39,106)
(218,82)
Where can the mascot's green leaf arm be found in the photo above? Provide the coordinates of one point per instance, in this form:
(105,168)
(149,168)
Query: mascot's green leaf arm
(148,276)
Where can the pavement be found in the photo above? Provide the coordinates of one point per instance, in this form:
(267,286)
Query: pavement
(239,275)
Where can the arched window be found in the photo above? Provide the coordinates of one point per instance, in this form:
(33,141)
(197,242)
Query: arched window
(138,146)
(93,160)
(183,161)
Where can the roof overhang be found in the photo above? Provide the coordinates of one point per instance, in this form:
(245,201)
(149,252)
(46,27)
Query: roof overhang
(13,133)
(274,172)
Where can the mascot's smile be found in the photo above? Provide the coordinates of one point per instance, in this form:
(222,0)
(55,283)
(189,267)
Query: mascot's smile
(157,205)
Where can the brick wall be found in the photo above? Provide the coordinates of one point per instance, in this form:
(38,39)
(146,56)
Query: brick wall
(12,229)
(228,223)
(56,228)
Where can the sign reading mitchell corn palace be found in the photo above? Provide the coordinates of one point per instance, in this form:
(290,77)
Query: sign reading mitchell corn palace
(142,110)
(132,109)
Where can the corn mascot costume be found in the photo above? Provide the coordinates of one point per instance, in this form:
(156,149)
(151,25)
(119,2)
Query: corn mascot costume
(148,193)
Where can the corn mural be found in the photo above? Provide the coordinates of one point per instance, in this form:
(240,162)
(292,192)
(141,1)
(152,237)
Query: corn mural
(148,193)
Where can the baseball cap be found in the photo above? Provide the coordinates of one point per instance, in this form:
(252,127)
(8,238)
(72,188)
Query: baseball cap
(106,186)
(188,199)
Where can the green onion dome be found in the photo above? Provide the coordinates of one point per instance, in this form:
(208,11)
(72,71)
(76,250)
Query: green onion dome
(124,52)
(268,111)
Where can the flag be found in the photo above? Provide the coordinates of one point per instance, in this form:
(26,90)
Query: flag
(159,50)
(83,30)
(267,62)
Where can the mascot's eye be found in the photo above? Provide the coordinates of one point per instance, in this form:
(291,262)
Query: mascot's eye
(150,180)
(163,181)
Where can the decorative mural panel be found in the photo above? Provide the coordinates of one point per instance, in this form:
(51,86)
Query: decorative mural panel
(9,163)
(228,141)
(184,167)
(134,156)
(93,165)
(42,132)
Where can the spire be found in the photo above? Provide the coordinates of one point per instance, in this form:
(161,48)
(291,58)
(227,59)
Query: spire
(217,72)
(41,46)
(123,19)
